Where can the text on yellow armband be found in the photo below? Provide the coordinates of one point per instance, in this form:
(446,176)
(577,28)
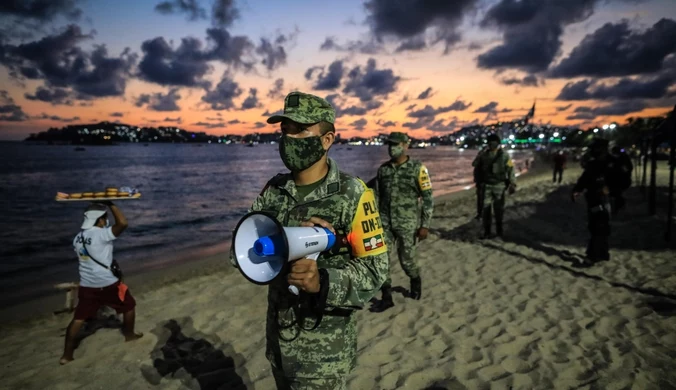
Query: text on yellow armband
(367,236)
(424,179)
(510,163)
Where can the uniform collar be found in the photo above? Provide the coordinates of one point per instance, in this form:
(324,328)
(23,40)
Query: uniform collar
(392,164)
(329,186)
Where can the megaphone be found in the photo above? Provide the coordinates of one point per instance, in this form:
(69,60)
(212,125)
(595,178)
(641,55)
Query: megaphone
(263,247)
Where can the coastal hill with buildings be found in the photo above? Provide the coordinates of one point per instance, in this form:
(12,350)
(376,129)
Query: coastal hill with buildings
(518,134)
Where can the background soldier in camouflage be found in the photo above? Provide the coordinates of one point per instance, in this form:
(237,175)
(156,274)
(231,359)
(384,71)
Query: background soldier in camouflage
(497,173)
(341,281)
(399,185)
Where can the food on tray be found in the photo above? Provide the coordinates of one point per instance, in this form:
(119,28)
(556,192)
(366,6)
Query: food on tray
(122,194)
(62,195)
(111,189)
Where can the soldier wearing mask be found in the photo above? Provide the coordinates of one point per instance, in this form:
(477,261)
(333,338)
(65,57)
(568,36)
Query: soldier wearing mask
(401,183)
(315,192)
(595,183)
(497,172)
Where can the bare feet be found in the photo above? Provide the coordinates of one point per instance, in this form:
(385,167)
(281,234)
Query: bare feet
(132,337)
(65,360)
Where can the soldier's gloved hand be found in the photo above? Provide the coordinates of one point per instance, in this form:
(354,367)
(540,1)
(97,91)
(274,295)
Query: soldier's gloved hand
(511,189)
(422,233)
(304,275)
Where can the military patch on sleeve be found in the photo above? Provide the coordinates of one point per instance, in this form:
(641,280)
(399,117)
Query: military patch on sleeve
(367,236)
(424,179)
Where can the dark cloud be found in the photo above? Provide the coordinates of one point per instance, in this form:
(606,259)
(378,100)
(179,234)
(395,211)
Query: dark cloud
(359,124)
(9,111)
(259,125)
(408,22)
(273,52)
(532,31)
(327,80)
(189,7)
(369,82)
(352,110)
(358,46)
(59,61)
(277,90)
(117,114)
(54,96)
(564,108)
(57,118)
(175,120)
(223,12)
(234,121)
(208,125)
(382,123)
(410,107)
(527,81)
(615,109)
(425,94)
(251,101)
(431,112)
(221,97)
(490,107)
(615,50)
(626,88)
(189,63)
(160,102)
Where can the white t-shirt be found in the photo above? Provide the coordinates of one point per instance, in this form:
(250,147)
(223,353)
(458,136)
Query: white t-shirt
(99,243)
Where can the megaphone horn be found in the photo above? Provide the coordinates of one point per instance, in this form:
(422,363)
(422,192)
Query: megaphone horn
(263,247)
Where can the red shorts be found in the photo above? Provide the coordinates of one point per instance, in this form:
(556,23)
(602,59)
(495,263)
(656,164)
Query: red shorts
(90,300)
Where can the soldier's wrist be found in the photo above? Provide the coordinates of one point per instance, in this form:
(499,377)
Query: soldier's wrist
(320,297)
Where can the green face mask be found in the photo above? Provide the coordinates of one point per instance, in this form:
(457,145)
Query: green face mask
(300,153)
(395,151)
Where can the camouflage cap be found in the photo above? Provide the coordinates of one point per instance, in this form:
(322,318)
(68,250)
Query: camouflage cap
(305,108)
(397,137)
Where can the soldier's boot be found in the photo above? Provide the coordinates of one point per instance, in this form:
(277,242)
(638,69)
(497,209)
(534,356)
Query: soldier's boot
(498,222)
(487,219)
(386,302)
(416,288)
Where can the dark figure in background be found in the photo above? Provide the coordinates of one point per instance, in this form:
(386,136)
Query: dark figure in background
(622,170)
(595,183)
(559,165)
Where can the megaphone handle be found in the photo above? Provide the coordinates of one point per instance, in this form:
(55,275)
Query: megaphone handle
(293,289)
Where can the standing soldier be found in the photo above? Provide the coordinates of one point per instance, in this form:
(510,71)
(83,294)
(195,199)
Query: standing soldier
(497,172)
(596,183)
(400,183)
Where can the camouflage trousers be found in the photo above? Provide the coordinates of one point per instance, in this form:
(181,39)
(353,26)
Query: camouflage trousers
(494,194)
(402,239)
(286,383)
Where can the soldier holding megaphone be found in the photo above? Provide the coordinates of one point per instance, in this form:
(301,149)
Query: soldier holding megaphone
(304,290)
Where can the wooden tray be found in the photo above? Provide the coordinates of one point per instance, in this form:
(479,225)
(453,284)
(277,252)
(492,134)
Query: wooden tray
(132,197)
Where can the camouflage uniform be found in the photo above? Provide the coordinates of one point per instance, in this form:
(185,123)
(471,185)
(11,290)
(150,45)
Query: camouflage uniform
(322,358)
(496,171)
(398,190)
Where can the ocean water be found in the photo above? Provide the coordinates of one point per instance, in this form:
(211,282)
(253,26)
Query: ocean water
(192,198)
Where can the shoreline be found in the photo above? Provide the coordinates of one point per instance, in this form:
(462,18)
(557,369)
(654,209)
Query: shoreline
(190,264)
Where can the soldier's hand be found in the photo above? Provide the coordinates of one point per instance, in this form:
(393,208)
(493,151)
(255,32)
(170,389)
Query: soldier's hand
(304,275)
(313,221)
(422,233)
(574,196)
(511,189)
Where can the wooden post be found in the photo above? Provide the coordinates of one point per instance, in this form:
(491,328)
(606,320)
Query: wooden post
(670,128)
(71,294)
(652,193)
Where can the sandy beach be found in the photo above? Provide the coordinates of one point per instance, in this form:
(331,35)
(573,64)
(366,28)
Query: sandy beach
(495,314)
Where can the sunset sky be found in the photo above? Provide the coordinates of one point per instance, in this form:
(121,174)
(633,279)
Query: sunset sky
(421,66)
